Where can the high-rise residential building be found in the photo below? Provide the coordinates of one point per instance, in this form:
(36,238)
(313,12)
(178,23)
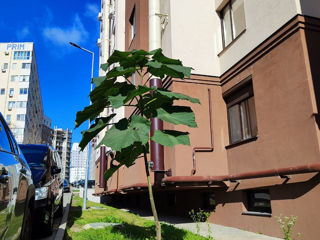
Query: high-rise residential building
(256,152)
(78,163)
(20,96)
(47,132)
(62,143)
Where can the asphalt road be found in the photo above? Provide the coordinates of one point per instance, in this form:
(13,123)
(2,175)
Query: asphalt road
(57,221)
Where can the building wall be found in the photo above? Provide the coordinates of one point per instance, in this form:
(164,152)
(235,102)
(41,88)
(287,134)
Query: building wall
(27,130)
(281,59)
(277,14)
(62,140)
(191,26)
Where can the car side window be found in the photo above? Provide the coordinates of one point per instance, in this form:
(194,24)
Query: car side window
(14,143)
(4,140)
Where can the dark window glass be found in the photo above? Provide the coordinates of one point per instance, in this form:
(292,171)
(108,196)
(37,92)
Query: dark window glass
(259,201)
(4,140)
(35,156)
(132,21)
(241,114)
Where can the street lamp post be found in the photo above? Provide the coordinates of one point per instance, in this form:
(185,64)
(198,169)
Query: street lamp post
(84,207)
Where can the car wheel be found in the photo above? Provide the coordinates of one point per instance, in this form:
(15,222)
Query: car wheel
(49,223)
(26,231)
(60,209)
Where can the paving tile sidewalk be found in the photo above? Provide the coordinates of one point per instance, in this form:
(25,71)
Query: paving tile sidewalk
(218,232)
(224,233)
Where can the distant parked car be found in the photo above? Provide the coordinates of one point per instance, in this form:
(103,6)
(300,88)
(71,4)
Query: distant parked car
(91,183)
(81,183)
(66,186)
(17,191)
(46,166)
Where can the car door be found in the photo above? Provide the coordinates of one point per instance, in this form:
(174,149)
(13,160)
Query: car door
(7,172)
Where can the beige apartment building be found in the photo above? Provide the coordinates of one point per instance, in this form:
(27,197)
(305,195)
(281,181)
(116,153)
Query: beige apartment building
(112,37)
(256,152)
(20,96)
(61,141)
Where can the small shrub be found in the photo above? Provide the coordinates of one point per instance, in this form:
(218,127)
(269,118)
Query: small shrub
(201,216)
(286,225)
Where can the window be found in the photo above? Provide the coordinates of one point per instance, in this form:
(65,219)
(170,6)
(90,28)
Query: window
(5,66)
(26,65)
(132,21)
(14,78)
(11,104)
(21,104)
(24,78)
(21,55)
(8,118)
(233,21)
(241,114)
(23,91)
(4,140)
(2,91)
(11,91)
(14,66)
(258,201)
(21,117)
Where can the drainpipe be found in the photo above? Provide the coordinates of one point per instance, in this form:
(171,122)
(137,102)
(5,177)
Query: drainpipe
(103,166)
(157,154)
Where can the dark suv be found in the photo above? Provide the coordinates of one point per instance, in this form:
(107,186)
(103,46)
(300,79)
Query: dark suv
(46,166)
(16,188)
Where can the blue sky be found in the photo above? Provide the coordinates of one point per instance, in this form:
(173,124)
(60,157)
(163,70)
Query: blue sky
(64,71)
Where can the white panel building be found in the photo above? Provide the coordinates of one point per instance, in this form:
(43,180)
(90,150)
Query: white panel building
(78,163)
(20,96)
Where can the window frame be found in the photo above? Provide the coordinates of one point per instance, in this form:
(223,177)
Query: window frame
(236,96)
(233,38)
(256,210)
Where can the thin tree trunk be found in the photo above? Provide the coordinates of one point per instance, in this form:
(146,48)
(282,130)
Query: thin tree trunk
(153,206)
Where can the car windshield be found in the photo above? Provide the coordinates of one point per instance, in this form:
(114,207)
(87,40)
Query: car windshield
(35,157)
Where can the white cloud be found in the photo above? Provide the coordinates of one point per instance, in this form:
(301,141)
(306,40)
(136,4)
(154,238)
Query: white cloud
(23,33)
(62,36)
(92,10)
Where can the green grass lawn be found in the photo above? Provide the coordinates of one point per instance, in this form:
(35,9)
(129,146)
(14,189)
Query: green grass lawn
(132,227)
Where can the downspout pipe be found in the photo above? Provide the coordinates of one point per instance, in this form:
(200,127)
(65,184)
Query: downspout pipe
(103,166)
(157,153)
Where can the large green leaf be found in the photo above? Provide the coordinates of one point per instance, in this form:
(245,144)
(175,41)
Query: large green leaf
(97,81)
(105,66)
(122,135)
(154,64)
(126,157)
(121,71)
(171,138)
(117,56)
(125,96)
(104,89)
(89,134)
(158,56)
(90,112)
(178,96)
(186,71)
(177,115)
(123,92)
